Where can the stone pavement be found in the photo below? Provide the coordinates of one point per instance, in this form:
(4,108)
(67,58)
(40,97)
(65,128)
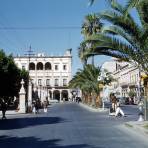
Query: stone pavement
(132,127)
(137,128)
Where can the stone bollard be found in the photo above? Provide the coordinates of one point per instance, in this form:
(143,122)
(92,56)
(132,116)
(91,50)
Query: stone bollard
(141,111)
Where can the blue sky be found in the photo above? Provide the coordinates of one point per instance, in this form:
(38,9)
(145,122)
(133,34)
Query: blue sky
(58,15)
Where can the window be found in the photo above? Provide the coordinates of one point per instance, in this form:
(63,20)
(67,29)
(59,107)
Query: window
(64,82)
(32,80)
(48,82)
(64,67)
(47,66)
(56,82)
(56,67)
(31,66)
(23,65)
(39,81)
(39,66)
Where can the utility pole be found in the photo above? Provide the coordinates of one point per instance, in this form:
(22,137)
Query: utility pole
(29,96)
(29,54)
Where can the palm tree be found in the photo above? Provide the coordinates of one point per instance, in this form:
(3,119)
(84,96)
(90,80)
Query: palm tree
(91,26)
(87,81)
(81,53)
(124,38)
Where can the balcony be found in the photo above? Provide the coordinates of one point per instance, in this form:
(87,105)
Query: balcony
(124,84)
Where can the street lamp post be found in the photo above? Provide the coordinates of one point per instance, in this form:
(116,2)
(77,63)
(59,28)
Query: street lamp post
(29,100)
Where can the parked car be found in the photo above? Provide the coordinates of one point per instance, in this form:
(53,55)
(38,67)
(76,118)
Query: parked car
(127,102)
(121,100)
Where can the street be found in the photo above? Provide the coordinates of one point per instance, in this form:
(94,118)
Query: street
(68,125)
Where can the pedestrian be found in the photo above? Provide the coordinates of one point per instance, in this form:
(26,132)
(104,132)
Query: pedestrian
(3,108)
(45,106)
(33,107)
(119,111)
(37,105)
(113,100)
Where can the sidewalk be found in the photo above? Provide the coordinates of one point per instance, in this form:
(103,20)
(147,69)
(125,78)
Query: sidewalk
(136,128)
(92,109)
(10,112)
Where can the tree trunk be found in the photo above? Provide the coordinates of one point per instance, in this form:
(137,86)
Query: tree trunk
(93,100)
(98,102)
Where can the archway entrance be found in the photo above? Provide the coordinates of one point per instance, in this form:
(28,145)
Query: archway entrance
(56,95)
(64,95)
(50,95)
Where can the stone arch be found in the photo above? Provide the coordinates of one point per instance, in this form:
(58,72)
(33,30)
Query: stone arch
(39,66)
(47,66)
(64,95)
(56,95)
(31,66)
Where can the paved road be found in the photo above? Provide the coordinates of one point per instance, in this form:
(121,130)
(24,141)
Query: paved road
(68,125)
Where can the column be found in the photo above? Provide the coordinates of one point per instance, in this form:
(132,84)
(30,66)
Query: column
(69,95)
(29,109)
(22,103)
(60,95)
(52,93)
(36,82)
(47,93)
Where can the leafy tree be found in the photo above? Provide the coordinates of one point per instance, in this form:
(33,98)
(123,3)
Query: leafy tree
(132,93)
(10,76)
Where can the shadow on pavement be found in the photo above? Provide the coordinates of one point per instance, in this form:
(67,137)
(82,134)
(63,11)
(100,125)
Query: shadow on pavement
(17,123)
(32,142)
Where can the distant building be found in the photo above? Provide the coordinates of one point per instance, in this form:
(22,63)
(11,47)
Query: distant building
(50,75)
(110,66)
(127,79)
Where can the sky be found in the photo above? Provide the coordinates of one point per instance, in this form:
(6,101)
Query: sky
(49,26)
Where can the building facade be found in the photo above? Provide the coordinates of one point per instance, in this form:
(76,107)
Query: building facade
(127,79)
(49,75)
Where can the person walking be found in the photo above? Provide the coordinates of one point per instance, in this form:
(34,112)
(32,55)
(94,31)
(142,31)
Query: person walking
(37,105)
(119,111)
(4,108)
(113,100)
(45,106)
(33,107)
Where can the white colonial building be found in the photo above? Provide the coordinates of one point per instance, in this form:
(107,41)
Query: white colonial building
(49,75)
